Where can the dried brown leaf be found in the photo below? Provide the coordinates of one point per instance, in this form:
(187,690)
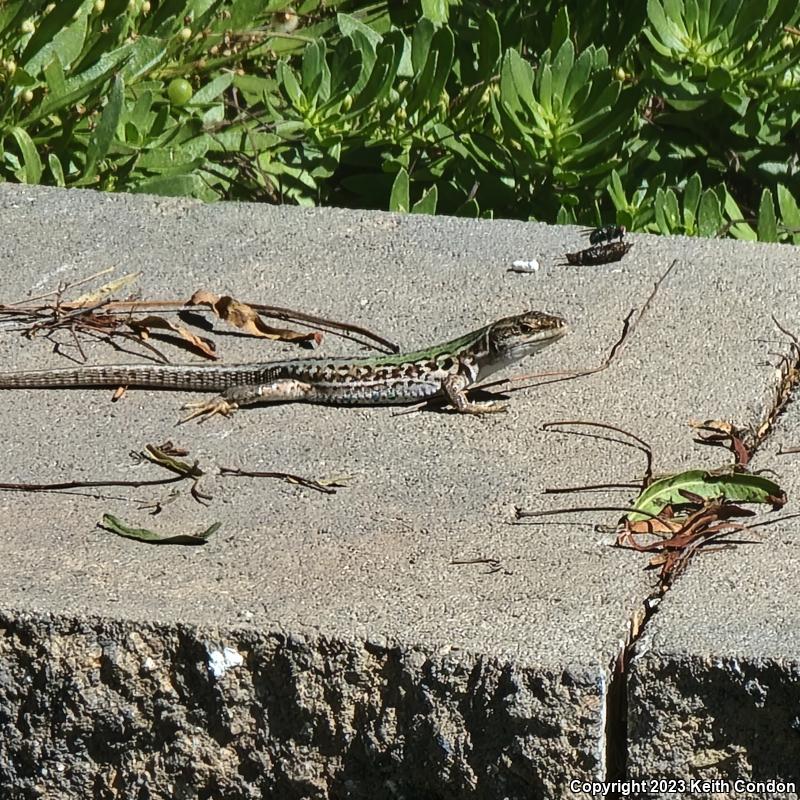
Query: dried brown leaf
(672,553)
(247,319)
(143,326)
(654,526)
(712,427)
(91,298)
(720,431)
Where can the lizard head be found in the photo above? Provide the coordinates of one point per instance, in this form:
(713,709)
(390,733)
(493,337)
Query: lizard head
(513,338)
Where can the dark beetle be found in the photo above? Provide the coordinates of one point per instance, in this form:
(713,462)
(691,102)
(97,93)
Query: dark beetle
(599,254)
(607,233)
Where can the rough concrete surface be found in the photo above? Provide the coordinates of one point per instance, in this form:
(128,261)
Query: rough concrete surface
(329,646)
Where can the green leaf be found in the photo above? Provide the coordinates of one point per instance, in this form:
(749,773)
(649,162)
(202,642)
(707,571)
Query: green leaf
(103,134)
(54,76)
(516,82)
(560,29)
(314,71)
(691,198)
(544,81)
(381,79)
(672,211)
(66,45)
(32,164)
(435,10)
(56,33)
(739,230)
(566,178)
(697,17)
(350,27)
(562,66)
(738,102)
(244,12)
(469,208)
(167,160)
(56,170)
(115,525)
(399,198)
(661,217)
(675,11)
(601,58)
(140,115)
(668,32)
(421,44)
(767,224)
(624,217)
(146,52)
(616,192)
(171,186)
(790,213)
(79,86)
(565,216)
(489,46)
(709,214)
(431,82)
(578,78)
(736,486)
(427,203)
(213,89)
(719,78)
(406,68)
(291,86)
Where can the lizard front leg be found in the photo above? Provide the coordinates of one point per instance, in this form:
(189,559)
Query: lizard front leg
(282,390)
(454,386)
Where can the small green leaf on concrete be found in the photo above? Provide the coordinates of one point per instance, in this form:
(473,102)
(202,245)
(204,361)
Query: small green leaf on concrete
(111,523)
(737,486)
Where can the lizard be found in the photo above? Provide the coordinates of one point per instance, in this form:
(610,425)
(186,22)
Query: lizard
(443,371)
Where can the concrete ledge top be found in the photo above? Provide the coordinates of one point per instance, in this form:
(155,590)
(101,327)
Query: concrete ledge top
(374,560)
(359,635)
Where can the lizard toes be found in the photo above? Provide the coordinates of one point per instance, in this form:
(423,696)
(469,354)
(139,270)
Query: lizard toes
(205,409)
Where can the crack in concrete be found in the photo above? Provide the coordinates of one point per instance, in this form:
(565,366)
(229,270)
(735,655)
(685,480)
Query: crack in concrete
(787,380)
(788,377)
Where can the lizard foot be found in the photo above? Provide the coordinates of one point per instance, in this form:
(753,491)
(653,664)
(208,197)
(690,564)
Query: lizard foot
(205,409)
(483,408)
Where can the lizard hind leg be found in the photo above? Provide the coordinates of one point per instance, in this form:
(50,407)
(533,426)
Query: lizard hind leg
(205,409)
(282,390)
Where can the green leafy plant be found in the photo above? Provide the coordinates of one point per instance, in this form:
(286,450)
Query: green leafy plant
(674,116)
(727,73)
(567,117)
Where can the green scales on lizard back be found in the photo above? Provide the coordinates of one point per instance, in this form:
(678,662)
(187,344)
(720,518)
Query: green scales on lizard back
(444,370)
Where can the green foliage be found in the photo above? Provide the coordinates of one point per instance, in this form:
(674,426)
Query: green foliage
(566,117)
(671,116)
